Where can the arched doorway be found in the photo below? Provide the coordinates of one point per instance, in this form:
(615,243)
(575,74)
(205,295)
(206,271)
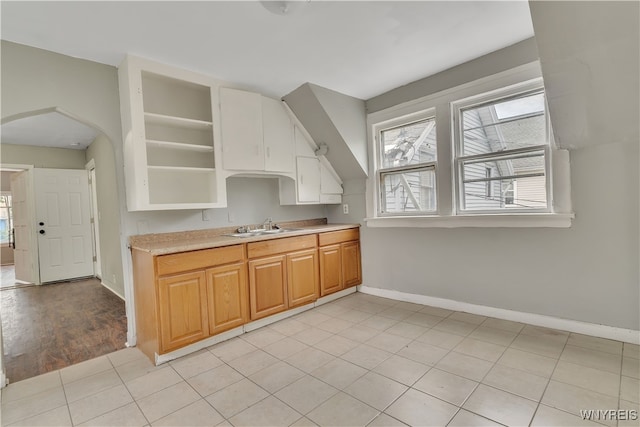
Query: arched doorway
(88,313)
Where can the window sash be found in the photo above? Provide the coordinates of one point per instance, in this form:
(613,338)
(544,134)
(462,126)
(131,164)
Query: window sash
(460,160)
(382,196)
(540,151)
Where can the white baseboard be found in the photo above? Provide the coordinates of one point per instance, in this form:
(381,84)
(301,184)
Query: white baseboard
(109,287)
(265,321)
(248,327)
(192,348)
(335,296)
(602,331)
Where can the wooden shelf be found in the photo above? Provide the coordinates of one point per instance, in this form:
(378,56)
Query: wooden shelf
(176,121)
(180,145)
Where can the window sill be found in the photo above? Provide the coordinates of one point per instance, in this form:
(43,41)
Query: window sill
(543,220)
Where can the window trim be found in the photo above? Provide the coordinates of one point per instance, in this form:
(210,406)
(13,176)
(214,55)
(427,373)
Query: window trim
(393,123)
(446,215)
(10,218)
(506,93)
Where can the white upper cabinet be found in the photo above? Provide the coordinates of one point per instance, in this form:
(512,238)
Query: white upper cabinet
(308,178)
(242,137)
(277,131)
(303,146)
(257,134)
(170,131)
(316,182)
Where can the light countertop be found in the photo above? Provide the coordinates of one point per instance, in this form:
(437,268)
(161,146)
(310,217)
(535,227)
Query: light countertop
(170,243)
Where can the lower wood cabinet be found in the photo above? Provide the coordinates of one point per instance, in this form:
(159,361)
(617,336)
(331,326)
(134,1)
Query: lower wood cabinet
(330,269)
(340,265)
(302,277)
(283,273)
(351,268)
(227,297)
(182,303)
(185,297)
(267,286)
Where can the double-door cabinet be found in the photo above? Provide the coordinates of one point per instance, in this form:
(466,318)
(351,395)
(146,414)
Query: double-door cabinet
(186,297)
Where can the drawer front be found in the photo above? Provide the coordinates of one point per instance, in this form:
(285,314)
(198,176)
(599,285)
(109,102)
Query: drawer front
(333,237)
(279,246)
(187,261)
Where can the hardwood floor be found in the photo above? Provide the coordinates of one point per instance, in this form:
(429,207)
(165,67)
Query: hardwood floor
(49,327)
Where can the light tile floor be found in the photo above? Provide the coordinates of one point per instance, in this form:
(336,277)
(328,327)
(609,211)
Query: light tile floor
(360,360)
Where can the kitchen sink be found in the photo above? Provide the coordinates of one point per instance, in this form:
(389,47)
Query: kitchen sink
(261,232)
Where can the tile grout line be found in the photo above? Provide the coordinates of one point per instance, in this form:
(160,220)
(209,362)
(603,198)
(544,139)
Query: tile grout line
(128,391)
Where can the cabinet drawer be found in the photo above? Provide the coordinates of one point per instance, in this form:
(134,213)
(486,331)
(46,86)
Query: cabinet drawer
(186,261)
(333,237)
(278,246)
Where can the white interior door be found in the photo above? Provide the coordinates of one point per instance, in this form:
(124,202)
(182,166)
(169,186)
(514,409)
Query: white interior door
(25,253)
(95,216)
(63,224)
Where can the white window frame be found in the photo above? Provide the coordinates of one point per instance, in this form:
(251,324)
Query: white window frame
(380,127)
(511,92)
(10,218)
(558,214)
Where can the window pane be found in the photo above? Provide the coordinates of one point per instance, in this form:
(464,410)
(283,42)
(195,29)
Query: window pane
(410,144)
(409,191)
(504,125)
(5,218)
(512,193)
(504,166)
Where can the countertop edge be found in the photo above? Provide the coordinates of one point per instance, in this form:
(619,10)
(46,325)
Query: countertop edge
(188,245)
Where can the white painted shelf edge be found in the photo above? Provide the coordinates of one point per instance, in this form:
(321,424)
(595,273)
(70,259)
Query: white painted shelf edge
(177,121)
(180,145)
(181,168)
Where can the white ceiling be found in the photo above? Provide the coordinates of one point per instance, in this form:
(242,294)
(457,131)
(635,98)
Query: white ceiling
(360,48)
(50,129)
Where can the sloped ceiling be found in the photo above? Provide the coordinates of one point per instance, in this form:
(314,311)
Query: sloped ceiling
(590,59)
(337,120)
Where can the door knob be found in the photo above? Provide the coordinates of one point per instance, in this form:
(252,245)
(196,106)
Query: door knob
(42,232)
(41,223)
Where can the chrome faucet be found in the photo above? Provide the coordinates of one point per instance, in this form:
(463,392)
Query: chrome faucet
(268,224)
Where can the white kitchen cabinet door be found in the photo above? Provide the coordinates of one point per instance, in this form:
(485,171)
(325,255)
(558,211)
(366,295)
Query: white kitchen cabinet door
(304,147)
(241,126)
(308,176)
(278,137)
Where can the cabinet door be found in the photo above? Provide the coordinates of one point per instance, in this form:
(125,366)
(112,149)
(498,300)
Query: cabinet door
(241,127)
(267,286)
(330,269)
(302,277)
(278,136)
(308,174)
(304,147)
(227,297)
(182,301)
(351,271)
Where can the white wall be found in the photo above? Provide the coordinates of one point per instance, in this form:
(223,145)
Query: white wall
(249,202)
(588,272)
(35,79)
(101,152)
(42,157)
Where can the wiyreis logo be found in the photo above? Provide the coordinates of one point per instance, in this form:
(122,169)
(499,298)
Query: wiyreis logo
(609,414)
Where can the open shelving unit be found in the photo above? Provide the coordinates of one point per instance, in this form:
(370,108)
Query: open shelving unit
(172,153)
